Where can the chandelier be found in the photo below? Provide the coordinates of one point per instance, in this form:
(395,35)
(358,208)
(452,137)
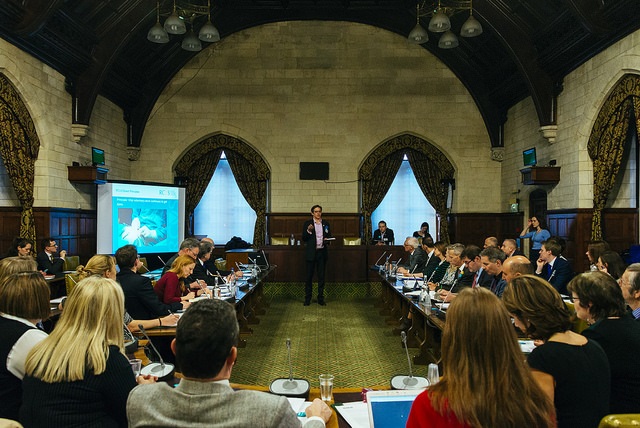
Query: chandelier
(182,15)
(440,12)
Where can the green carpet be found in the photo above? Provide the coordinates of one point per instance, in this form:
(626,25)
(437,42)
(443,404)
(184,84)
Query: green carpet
(347,338)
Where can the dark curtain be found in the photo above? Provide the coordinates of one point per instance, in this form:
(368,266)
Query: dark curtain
(376,181)
(432,170)
(607,143)
(19,147)
(249,169)
(429,165)
(253,187)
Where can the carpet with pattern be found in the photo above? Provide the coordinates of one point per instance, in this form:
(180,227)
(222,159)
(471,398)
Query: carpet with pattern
(347,338)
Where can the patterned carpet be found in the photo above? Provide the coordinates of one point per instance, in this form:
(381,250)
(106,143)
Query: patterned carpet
(347,338)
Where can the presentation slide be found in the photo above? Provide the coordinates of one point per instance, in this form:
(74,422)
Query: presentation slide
(151,217)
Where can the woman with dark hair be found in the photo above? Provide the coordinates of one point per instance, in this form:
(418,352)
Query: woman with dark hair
(423,232)
(610,262)
(571,369)
(594,249)
(536,231)
(598,300)
(483,372)
(22,247)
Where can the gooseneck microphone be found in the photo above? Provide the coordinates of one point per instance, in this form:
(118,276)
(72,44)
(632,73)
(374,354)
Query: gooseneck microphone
(160,258)
(411,381)
(162,363)
(379,258)
(290,387)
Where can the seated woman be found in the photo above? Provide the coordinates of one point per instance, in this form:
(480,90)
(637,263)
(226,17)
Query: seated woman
(571,369)
(598,300)
(21,247)
(105,266)
(24,302)
(79,375)
(171,288)
(423,232)
(610,262)
(486,382)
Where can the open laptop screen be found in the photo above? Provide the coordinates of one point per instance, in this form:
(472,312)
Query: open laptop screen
(390,408)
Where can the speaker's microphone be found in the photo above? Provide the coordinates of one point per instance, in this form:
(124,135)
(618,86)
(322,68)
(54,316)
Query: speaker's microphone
(160,258)
(143,267)
(265,259)
(408,382)
(155,369)
(255,263)
(379,258)
(290,387)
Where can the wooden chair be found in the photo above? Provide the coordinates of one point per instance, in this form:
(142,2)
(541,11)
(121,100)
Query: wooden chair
(628,420)
(351,240)
(71,262)
(70,281)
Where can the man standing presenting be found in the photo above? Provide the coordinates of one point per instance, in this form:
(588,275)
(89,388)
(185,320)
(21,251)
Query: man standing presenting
(315,234)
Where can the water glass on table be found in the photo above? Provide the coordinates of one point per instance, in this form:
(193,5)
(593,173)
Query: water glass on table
(326,387)
(136,366)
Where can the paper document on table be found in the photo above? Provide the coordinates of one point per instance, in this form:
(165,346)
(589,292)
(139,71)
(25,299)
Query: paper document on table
(355,413)
(299,406)
(526,346)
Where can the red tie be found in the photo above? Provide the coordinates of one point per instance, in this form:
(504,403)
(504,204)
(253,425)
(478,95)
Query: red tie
(475,280)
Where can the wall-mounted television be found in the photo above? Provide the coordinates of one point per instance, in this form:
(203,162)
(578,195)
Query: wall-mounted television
(529,157)
(97,156)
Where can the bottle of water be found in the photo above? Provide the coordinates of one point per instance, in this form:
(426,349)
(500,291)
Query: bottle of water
(292,240)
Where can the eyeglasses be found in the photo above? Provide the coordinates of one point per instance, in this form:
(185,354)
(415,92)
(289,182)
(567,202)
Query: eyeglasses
(53,245)
(573,299)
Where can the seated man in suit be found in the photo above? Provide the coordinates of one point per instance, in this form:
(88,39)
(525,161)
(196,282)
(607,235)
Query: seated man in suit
(515,266)
(471,258)
(47,262)
(383,236)
(206,350)
(492,261)
(630,286)
(510,248)
(433,261)
(140,300)
(189,247)
(417,257)
(491,241)
(553,267)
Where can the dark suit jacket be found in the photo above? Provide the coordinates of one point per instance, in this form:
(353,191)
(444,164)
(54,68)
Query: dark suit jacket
(140,300)
(388,236)
(417,260)
(485,279)
(310,239)
(560,275)
(200,272)
(431,265)
(46,265)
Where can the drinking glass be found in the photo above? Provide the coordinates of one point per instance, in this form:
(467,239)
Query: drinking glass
(136,366)
(326,387)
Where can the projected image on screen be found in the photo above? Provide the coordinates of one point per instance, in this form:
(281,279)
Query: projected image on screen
(142,227)
(151,217)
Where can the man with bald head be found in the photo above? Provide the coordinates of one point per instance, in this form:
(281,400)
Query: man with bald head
(510,248)
(515,266)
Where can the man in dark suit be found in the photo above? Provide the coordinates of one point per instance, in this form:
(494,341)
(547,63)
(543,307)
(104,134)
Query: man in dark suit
(417,257)
(471,258)
(510,248)
(141,302)
(383,236)
(315,233)
(432,260)
(47,262)
(492,261)
(552,267)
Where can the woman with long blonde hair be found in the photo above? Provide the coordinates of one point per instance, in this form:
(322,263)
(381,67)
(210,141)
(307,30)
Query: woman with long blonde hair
(79,375)
(486,381)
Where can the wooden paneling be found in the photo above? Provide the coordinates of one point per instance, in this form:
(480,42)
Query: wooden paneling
(473,228)
(342,225)
(75,230)
(619,229)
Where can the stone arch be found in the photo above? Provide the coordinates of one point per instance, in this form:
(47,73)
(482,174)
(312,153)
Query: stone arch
(432,168)
(197,165)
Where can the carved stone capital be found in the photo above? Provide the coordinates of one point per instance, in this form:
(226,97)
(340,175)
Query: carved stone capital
(133,153)
(497,154)
(549,132)
(79,131)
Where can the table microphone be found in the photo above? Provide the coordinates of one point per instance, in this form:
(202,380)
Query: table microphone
(161,369)
(290,387)
(379,258)
(411,381)
(204,291)
(255,263)
(160,258)
(265,259)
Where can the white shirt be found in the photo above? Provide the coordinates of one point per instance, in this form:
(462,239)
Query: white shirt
(18,354)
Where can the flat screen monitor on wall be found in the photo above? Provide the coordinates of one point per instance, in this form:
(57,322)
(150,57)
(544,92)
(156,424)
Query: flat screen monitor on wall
(529,157)
(97,156)
(151,217)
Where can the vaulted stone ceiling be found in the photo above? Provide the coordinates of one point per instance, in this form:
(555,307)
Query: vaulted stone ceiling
(527,47)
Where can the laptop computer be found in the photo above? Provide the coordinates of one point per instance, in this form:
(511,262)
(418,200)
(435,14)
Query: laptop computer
(390,408)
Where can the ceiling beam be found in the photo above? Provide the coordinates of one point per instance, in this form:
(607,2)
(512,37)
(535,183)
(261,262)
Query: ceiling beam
(37,12)
(588,13)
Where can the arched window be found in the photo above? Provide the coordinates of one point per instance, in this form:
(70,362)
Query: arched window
(405,207)
(223,212)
